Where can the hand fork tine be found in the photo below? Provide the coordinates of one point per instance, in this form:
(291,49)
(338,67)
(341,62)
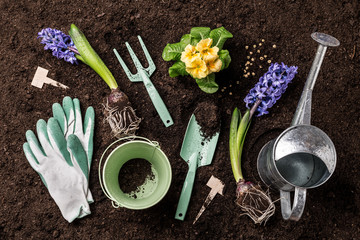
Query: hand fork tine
(134,57)
(152,66)
(132,77)
(143,75)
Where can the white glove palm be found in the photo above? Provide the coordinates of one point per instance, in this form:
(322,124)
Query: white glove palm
(62,165)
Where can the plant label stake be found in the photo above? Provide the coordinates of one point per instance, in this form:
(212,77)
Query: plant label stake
(303,156)
(40,78)
(197,151)
(143,75)
(216,186)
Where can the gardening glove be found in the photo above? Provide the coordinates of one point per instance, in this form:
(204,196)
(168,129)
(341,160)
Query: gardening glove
(69,117)
(62,166)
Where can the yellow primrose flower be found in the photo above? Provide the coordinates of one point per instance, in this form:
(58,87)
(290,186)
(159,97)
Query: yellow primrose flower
(205,49)
(197,68)
(214,65)
(189,54)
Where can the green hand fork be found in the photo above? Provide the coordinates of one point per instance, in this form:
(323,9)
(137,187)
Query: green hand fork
(143,75)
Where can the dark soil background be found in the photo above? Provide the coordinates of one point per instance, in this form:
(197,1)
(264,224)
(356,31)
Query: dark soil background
(332,210)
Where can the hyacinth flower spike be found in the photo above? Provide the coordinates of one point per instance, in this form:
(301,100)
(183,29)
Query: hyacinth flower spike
(117,107)
(252,200)
(61,45)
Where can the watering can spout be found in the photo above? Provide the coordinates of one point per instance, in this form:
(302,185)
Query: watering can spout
(303,110)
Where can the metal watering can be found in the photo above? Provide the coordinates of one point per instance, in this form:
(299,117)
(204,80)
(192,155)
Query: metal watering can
(303,156)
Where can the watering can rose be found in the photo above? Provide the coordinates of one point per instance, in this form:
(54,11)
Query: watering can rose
(201,60)
(200,55)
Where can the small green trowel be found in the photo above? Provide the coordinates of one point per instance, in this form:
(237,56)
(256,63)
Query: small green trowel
(197,151)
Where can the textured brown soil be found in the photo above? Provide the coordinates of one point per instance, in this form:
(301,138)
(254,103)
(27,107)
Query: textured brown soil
(133,174)
(208,117)
(332,210)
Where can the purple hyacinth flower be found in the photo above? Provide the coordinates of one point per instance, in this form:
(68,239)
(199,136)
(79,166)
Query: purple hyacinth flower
(59,43)
(270,87)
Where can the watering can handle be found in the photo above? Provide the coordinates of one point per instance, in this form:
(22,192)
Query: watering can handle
(187,189)
(294,212)
(157,100)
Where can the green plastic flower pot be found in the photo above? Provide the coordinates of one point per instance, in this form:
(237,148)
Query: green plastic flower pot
(153,189)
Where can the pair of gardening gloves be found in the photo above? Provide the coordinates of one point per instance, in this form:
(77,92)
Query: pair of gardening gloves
(61,155)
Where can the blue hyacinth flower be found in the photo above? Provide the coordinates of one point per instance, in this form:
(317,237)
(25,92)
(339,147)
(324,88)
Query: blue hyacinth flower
(59,43)
(270,87)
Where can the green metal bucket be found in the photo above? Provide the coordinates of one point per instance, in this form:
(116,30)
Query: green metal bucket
(153,189)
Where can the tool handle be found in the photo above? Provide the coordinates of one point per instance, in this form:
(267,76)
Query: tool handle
(295,211)
(157,100)
(187,189)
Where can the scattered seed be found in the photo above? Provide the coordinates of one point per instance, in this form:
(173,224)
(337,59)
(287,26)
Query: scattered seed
(254,46)
(260,66)
(247,62)
(252,59)
(222,90)
(251,64)
(261,58)
(244,71)
(245,76)
(263,40)
(258,51)
(251,53)
(246,68)
(230,93)
(253,74)
(246,47)
(260,44)
(224,87)
(248,57)
(274,46)
(237,82)
(265,56)
(269,61)
(230,85)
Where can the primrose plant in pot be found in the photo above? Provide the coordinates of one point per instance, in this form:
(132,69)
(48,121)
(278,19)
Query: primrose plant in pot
(117,110)
(199,54)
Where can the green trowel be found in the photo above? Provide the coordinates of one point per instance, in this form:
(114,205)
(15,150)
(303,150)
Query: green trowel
(197,151)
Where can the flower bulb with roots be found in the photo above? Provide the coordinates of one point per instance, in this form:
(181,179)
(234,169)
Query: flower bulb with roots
(120,115)
(254,202)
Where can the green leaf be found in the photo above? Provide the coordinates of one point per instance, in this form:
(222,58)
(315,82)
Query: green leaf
(219,36)
(177,69)
(208,83)
(173,51)
(225,58)
(194,41)
(233,148)
(200,32)
(186,39)
(90,57)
